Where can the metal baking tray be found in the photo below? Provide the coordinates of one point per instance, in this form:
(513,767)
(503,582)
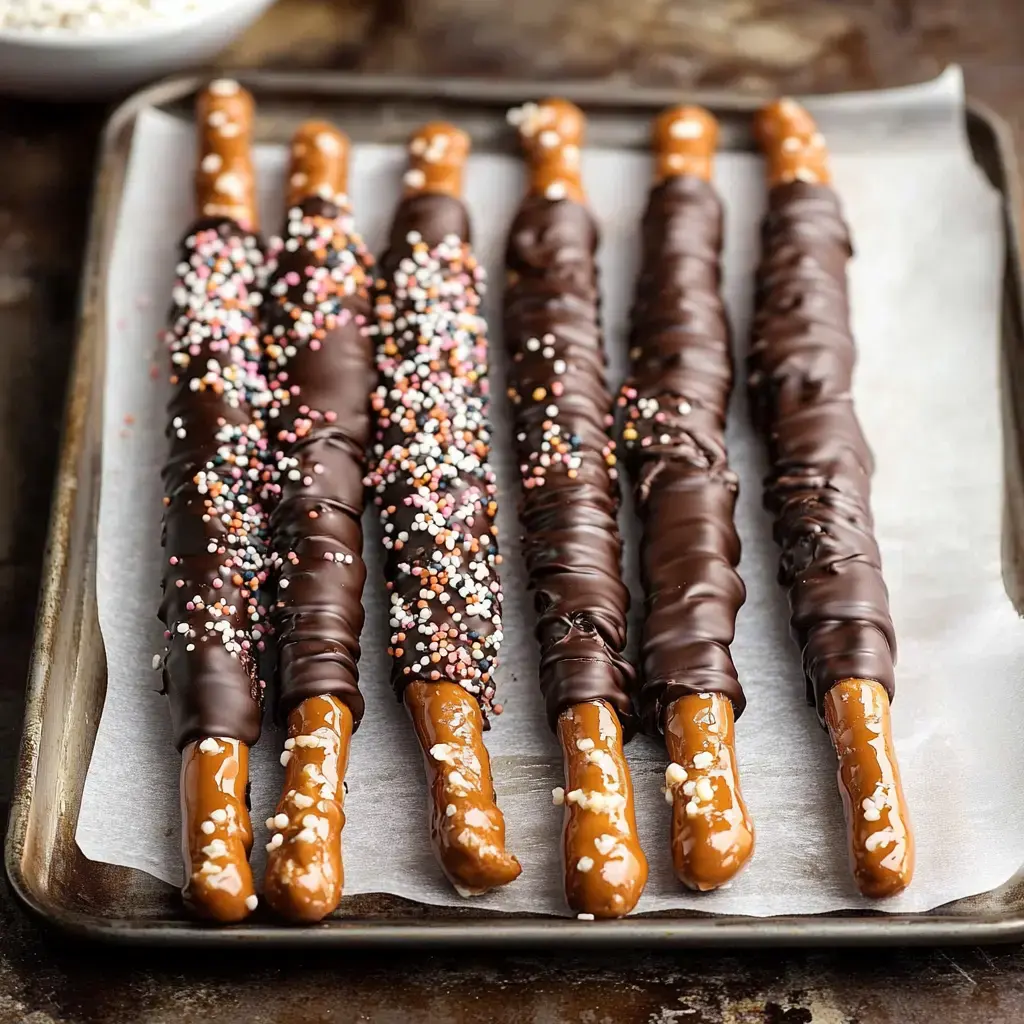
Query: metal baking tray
(68,677)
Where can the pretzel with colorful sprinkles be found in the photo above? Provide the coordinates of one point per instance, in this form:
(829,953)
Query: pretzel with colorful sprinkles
(800,368)
(320,373)
(568,504)
(436,493)
(214,524)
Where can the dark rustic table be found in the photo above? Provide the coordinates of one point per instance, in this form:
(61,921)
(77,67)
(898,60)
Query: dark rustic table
(46,155)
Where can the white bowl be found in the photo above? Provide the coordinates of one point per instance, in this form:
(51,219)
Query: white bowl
(69,65)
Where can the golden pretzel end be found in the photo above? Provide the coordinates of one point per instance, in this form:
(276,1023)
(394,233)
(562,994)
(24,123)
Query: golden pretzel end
(437,156)
(216,832)
(319,163)
(684,141)
(305,872)
(551,133)
(225,185)
(605,867)
(712,835)
(880,837)
(793,147)
(466,825)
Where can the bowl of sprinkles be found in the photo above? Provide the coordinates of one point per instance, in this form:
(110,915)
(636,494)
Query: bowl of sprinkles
(78,49)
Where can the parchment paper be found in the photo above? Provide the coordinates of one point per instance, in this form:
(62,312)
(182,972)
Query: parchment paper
(926,294)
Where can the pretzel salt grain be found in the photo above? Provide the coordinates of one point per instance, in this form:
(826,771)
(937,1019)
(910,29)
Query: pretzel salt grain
(214,524)
(800,369)
(320,369)
(567,507)
(437,496)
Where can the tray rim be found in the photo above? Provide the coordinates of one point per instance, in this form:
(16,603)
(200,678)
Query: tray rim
(712,931)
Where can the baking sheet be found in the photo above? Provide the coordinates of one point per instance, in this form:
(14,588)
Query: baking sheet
(925,294)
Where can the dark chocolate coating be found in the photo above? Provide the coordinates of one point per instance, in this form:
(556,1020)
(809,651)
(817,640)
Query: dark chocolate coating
(800,369)
(677,399)
(321,375)
(214,526)
(570,497)
(433,482)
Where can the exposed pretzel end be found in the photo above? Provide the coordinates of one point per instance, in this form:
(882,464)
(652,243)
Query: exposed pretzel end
(466,826)
(605,868)
(224,182)
(792,145)
(551,133)
(319,163)
(437,156)
(216,833)
(878,824)
(684,140)
(304,866)
(712,834)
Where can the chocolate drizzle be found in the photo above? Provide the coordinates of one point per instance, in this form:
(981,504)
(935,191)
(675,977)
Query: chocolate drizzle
(570,496)
(433,482)
(320,370)
(674,432)
(800,371)
(214,530)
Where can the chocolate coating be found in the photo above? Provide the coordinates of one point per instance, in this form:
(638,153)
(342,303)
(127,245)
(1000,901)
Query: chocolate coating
(676,403)
(214,530)
(800,369)
(320,369)
(570,496)
(432,478)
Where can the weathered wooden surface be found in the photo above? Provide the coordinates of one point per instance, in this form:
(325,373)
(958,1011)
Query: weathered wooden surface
(45,169)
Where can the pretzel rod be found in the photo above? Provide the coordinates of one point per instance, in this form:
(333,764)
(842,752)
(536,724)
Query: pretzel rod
(674,433)
(320,369)
(436,492)
(214,523)
(800,370)
(567,508)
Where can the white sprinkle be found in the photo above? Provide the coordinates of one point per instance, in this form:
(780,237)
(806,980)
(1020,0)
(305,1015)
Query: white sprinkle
(302,801)
(252,902)
(705,791)
(877,839)
(549,138)
(686,128)
(442,752)
(209,746)
(584,864)
(675,774)
(585,744)
(584,917)
(556,191)
(692,809)
(211,163)
(275,841)
(279,821)
(157,661)
(207,828)
(219,815)
(558,796)
(450,810)
(605,844)
(224,87)
(703,760)
(414,178)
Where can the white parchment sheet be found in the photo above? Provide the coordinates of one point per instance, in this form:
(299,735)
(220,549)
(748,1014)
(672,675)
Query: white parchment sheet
(926,291)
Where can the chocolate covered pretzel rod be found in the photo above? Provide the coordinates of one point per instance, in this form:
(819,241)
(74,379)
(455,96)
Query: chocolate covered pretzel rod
(436,493)
(676,402)
(320,373)
(214,524)
(568,506)
(800,371)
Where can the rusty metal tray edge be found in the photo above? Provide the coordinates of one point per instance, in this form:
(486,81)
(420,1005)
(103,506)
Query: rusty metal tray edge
(62,597)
